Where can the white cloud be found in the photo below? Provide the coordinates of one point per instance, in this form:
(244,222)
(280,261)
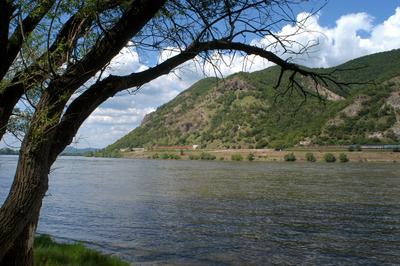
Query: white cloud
(354,35)
(126,62)
(106,125)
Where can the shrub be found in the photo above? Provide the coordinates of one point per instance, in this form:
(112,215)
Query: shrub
(155,156)
(278,145)
(194,157)
(251,157)
(174,156)
(207,156)
(329,158)
(164,156)
(261,144)
(343,158)
(236,157)
(289,157)
(251,146)
(115,154)
(310,157)
(221,158)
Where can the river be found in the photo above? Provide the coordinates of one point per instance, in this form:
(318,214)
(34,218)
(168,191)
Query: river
(223,213)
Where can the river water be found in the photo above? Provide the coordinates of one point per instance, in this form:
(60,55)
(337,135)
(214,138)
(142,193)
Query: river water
(224,213)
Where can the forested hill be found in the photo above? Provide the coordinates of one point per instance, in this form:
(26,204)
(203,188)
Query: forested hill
(244,110)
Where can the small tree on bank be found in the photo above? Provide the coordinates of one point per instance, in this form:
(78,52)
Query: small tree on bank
(251,157)
(54,55)
(329,158)
(310,157)
(290,157)
(343,158)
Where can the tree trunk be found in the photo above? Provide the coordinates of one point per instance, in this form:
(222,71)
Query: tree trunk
(21,253)
(20,212)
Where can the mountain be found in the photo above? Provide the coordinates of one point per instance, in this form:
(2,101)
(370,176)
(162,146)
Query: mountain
(244,110)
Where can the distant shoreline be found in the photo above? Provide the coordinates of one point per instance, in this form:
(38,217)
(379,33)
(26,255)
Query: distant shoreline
(260,155)
(269,155)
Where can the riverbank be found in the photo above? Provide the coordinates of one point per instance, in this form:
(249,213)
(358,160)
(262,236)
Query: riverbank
(49,253)
(267,154)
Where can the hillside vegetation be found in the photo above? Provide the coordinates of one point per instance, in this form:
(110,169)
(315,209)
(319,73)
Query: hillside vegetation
(245,111)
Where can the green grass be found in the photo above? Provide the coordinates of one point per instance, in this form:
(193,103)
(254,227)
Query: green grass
(49,253)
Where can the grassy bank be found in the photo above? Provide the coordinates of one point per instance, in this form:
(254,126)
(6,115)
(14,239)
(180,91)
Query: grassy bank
(49,253)
(267,155)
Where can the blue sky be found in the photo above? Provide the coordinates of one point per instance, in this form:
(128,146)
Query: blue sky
(344,29)
(379,9)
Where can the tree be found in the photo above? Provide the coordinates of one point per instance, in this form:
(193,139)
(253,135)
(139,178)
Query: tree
(54,55)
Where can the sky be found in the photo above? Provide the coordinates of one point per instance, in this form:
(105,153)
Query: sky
(343,30)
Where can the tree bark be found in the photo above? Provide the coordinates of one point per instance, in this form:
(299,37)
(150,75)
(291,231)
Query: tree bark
(21,252)
(20,212)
